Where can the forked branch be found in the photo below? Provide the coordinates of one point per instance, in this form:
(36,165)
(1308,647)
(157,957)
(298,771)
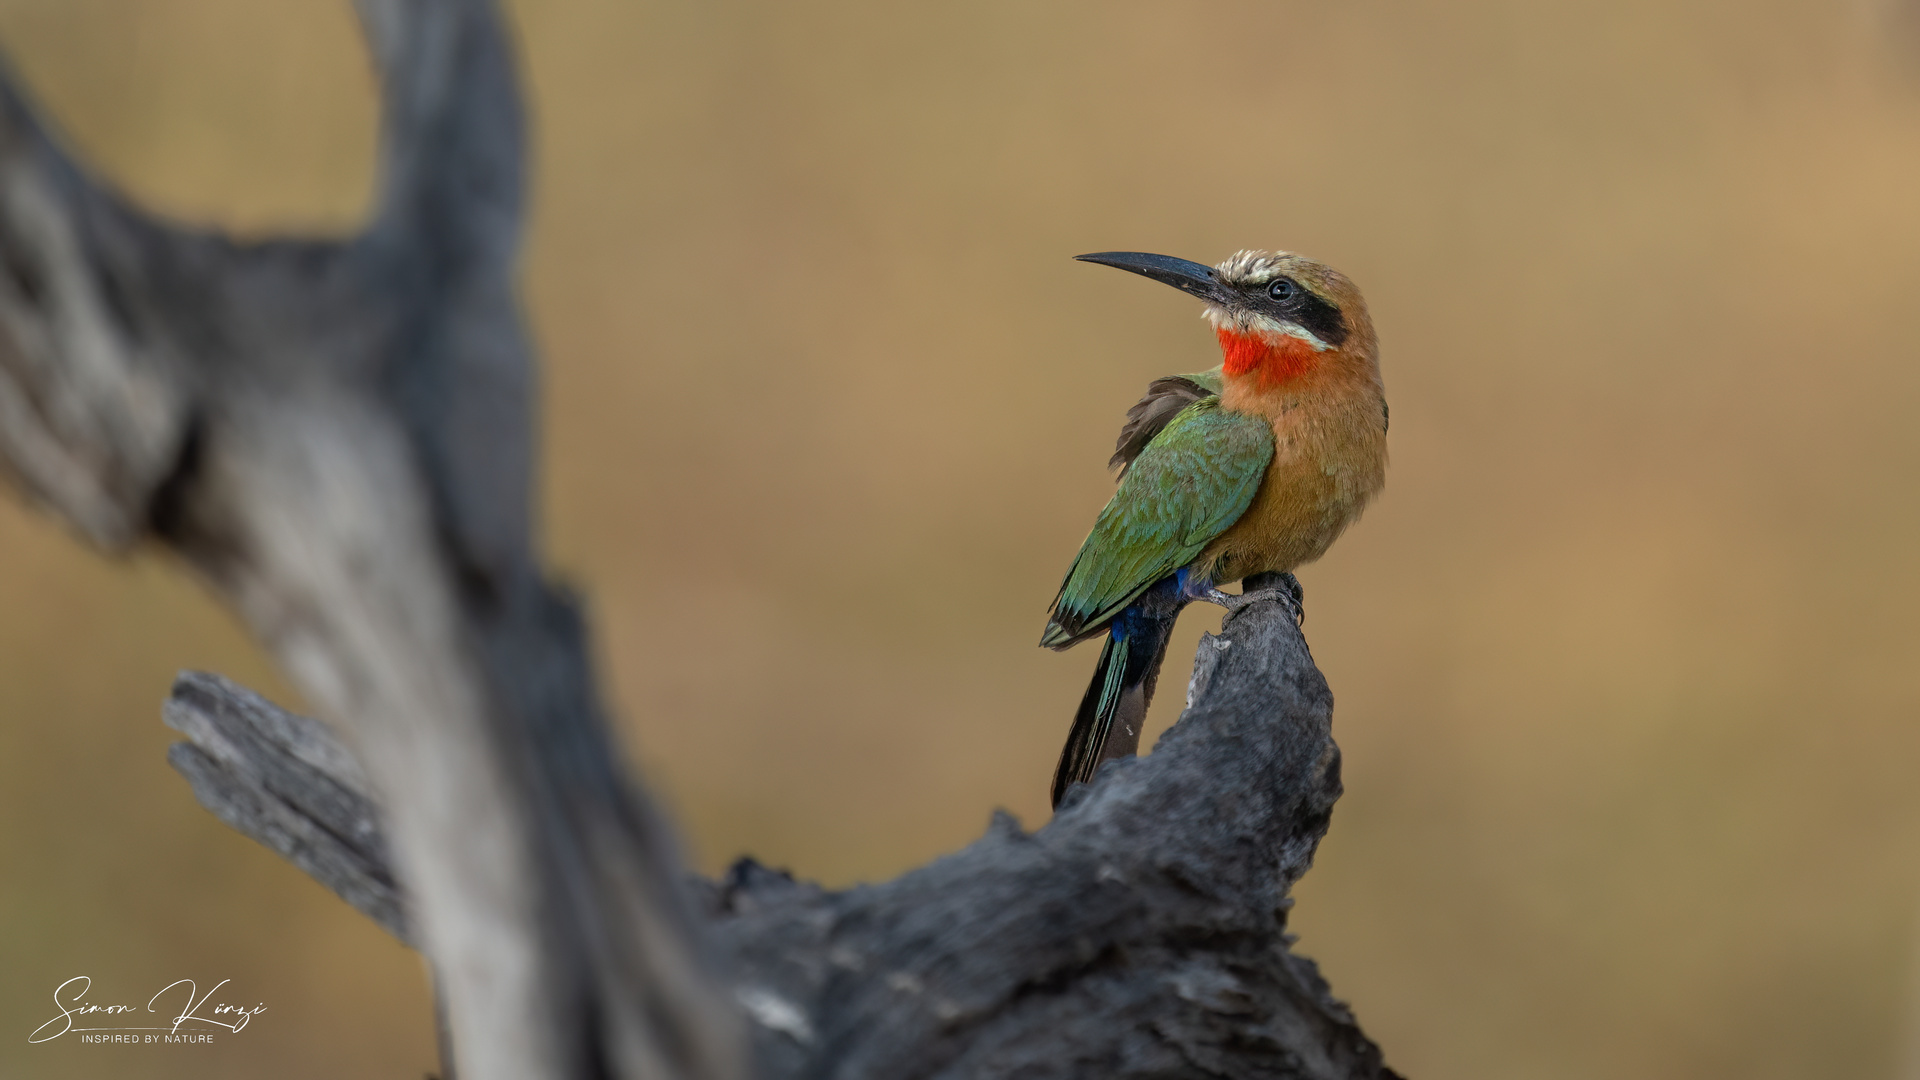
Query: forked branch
(337,438)
(1140,933)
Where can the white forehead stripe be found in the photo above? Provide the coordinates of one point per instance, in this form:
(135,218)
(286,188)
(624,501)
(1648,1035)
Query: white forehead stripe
(1251,267)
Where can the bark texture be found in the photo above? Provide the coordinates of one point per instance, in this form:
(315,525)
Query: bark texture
(1140,933)
(337,438)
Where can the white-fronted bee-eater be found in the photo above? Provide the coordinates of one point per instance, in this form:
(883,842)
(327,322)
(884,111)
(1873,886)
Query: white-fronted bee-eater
(1254,467)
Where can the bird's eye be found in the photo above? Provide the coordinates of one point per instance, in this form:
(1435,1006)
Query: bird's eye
(1282,289)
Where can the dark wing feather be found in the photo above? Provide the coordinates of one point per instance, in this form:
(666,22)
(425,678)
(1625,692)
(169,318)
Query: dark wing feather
(1165,398)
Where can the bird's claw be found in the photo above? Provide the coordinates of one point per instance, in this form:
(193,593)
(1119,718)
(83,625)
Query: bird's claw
(1282,587)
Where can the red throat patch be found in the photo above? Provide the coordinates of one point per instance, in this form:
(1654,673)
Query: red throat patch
(1270,361)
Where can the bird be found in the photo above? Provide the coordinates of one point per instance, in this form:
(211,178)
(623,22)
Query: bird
(1253,467)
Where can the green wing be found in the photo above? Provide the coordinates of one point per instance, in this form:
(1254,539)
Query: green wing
(1209,380)
(1195,478)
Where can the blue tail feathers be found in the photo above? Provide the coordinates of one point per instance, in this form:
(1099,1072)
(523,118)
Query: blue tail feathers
(1114,707)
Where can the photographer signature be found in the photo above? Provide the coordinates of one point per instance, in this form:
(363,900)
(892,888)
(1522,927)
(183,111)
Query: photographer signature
(193,1010)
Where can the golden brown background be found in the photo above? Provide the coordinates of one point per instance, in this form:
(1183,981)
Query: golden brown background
(1626,658)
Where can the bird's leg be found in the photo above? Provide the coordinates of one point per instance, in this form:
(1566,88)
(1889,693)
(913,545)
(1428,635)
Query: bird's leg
(1288,586)
(1194,587)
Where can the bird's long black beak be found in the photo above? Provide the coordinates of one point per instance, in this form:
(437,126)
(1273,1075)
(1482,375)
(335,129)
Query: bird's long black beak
(1191,277)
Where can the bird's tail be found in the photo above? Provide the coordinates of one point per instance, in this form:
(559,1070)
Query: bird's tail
(1115,705)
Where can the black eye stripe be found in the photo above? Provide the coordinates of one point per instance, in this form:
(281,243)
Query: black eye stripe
(1303,308)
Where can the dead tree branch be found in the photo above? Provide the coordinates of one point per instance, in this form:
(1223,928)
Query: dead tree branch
(1141,933)
(285,781)
(337,437)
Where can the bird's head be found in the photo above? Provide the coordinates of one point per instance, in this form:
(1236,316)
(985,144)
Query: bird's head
(1279,316)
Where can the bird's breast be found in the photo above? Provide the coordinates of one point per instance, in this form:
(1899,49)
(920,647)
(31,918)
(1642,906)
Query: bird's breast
(1329,460)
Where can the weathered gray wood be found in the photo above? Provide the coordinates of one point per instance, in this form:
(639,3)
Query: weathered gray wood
(284,780)
(1138,934)
(1141,933)
(338,438)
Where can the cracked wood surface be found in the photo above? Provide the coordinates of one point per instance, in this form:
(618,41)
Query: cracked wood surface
(336,437)
(1140,933)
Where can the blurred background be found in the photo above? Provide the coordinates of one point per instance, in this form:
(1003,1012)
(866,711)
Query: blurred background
(1625,658)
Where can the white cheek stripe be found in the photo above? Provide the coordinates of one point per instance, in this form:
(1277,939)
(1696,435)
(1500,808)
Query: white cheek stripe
(1264,324)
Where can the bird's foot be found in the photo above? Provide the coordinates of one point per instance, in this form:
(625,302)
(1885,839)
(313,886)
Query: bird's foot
(1284,587)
